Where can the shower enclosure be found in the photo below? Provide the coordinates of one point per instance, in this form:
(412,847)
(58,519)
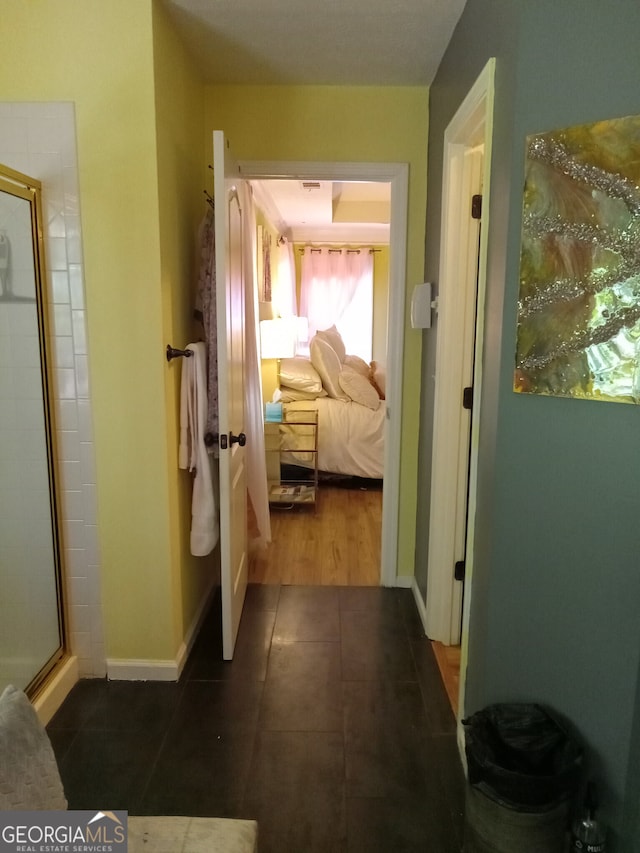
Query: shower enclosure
(31,611)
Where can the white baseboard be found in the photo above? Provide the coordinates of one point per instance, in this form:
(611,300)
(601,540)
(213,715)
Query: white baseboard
(142,670)
(422,610)
(56,689)
(126,669)
(461,740)
(404,581)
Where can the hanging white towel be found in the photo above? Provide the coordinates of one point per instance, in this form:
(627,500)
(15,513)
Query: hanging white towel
(192,452)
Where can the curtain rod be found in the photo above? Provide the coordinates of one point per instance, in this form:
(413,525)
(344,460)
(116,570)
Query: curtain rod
(348,251)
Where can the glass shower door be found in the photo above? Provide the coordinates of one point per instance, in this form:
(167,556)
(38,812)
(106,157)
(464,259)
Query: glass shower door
(31,613)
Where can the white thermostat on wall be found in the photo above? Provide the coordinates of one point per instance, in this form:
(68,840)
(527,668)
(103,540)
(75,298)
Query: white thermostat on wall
(421,306)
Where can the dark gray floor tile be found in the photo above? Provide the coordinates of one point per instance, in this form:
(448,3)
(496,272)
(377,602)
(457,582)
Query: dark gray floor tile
(453,780)
(409,610)
(388,751)
(301,704)
(61,740)
(262,596)
(332,691)
(208,708)
(207,646)
(307,614)
(135,706)
(375,646)
(370,598)
(384,825)
(83,700)
(300,660)
(108,770)
(296,792)
(302,690)
(199,775)
(309,597)
(436,702)
(250,656)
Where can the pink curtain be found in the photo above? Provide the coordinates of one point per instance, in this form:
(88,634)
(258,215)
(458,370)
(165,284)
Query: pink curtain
(337,289)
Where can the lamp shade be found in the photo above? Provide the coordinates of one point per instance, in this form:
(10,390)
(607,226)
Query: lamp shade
(277,338)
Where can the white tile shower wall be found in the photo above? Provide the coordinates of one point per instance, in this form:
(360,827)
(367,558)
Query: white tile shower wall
(38,139)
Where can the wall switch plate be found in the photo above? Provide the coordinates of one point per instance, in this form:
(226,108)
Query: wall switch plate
(421,306)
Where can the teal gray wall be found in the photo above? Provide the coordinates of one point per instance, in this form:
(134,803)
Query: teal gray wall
(555,614)
(631,812)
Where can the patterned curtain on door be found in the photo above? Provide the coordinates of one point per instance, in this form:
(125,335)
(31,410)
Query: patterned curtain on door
(207,314)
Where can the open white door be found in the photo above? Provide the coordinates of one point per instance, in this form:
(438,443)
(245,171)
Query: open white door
(230,234)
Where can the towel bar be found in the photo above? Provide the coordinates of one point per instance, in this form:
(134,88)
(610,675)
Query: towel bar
(172,352)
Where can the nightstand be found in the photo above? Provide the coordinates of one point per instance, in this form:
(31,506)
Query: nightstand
(292,442)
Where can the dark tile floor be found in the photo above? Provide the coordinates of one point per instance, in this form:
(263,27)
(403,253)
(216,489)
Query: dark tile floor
(330,727)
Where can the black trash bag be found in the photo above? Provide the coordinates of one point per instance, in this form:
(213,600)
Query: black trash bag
(519,755)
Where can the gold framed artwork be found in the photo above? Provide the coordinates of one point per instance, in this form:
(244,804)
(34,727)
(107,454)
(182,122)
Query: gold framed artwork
(579,303)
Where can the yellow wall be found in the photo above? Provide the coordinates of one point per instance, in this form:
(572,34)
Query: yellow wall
(341,124)
(380,303)
(182,176)
(138,218)
(77,51)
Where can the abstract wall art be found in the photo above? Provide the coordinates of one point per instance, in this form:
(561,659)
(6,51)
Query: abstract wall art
(579,305)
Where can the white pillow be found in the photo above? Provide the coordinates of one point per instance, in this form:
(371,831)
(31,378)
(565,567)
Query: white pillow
(333,337)
(359,388)
(378,378)
(325,360)
(300,374)
(356,363)
(29,777)
(292,395)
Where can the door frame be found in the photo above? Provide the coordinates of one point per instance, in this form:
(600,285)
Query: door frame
(470,130)
(397,175)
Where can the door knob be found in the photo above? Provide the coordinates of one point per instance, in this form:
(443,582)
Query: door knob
(239,439)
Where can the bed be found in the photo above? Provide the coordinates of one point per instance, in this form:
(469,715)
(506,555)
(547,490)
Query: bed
(350,437)
(348,395)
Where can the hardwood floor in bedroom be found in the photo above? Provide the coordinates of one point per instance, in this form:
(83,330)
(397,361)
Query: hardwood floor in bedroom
(337,545)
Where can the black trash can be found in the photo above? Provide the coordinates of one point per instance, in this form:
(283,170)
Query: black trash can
(523,769)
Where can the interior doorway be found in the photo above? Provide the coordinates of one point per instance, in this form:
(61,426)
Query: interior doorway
(396,175)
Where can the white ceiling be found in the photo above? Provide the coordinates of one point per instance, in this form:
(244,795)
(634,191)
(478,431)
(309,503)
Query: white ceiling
(326,211)
(317,42)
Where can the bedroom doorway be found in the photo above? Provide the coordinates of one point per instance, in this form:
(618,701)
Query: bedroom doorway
(396,176)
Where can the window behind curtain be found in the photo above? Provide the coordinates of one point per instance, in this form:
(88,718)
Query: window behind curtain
(337,289)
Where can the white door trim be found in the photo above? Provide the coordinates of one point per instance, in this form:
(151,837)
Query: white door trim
(470,130)
(396,174)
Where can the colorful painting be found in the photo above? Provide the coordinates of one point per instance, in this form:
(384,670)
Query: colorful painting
(579,306)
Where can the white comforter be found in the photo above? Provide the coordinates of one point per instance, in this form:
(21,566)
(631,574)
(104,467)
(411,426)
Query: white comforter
(350,437)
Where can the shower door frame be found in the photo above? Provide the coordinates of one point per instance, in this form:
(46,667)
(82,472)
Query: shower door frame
(22,186)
